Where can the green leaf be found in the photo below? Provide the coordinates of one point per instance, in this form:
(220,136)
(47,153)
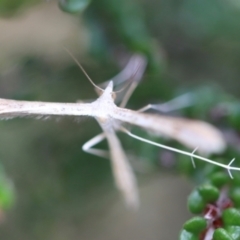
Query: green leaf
(221,234)
(231,217)
(219,179)
(235,196)
(196,204)
(185,235)
(209,192)
(195,225)
(234,232)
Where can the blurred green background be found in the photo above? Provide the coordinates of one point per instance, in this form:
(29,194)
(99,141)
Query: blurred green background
(60,191)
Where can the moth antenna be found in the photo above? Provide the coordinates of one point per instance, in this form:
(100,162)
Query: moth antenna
(82,69)
(228,167)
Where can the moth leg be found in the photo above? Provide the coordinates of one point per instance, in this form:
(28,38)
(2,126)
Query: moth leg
(87,147)
(129,93)
(177,103)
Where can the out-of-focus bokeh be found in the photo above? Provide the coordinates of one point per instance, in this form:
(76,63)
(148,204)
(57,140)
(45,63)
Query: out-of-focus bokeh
(60,192)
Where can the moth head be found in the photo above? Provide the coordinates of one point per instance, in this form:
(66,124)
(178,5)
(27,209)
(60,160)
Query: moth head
(100,92)
(107,93)
(109,90)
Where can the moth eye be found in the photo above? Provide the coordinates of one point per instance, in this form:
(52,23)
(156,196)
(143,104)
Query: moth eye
(99,92)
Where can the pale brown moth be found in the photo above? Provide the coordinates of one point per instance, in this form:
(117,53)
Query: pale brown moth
(195,134)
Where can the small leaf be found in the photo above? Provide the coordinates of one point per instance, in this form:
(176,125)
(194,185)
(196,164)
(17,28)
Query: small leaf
(235,196)
(234,232)
(195,225)
(196,204)
(209,192)
(221,234)
(231,217)
(219,179)
(185,235)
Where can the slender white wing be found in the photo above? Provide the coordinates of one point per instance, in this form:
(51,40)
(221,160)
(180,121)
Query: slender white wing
(14,108)
(192,133)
